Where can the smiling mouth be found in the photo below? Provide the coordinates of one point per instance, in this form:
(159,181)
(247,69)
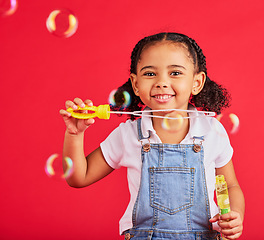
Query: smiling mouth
(163,96)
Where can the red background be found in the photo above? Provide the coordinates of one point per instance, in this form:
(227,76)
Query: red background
(39,72)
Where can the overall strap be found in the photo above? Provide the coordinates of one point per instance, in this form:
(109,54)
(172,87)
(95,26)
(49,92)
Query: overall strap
(140,135)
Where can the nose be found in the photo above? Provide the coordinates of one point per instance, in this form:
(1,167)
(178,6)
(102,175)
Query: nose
(161,84)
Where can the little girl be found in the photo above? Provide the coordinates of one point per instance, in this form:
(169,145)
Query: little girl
(171,175)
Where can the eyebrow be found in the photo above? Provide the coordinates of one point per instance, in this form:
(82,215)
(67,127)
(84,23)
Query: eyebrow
(147,67)
(170,66)
(178,66)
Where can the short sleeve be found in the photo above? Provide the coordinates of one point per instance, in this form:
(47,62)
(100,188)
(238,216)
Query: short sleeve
(224,148)
(112,148)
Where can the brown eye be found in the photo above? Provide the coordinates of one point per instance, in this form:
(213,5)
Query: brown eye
(150,74)
(175,73)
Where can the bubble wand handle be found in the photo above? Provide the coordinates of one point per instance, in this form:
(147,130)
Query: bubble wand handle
(102,112)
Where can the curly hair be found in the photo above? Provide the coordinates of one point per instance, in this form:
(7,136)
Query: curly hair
(213,97)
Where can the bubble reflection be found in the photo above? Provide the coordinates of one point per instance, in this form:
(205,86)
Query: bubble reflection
(230,121)
(120,99)
(8,7)
(62,23)
(173,121)
(53,167)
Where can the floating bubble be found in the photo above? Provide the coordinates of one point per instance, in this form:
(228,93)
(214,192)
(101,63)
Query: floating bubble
(230,122)
(53,167)
(62,23)
(8,7)
(173,121)
(119,99)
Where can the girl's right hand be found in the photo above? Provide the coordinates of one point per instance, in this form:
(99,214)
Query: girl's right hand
(74,125)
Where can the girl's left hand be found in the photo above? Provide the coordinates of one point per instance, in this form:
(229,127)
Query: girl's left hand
(230,223)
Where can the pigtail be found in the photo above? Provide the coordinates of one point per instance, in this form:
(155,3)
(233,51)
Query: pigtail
(213,97)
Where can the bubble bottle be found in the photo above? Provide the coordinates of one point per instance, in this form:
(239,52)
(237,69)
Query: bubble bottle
(222,194)
(102,112)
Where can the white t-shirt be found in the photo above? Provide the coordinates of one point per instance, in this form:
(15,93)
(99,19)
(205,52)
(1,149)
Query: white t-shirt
(122,149)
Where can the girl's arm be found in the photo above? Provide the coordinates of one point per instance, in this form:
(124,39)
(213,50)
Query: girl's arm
(86,170)
(231,223)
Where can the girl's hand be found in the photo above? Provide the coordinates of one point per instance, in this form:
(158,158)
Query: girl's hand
(230,223)
(73,125)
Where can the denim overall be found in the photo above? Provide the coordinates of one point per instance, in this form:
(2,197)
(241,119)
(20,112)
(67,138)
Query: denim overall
(172,201)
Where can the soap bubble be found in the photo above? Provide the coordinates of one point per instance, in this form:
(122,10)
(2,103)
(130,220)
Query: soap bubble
(173,121)
(53,167)
(119,99)
(62,23)
(7,7)
(230,121)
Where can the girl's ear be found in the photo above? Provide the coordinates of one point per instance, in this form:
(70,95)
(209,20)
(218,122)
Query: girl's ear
(133,78)
(198,82)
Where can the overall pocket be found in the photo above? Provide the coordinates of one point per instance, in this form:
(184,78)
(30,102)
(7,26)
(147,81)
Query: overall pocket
(171,188)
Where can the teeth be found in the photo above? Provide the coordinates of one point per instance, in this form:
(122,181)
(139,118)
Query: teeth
(162,96)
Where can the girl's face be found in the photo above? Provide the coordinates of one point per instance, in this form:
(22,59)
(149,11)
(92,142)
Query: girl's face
(166,76)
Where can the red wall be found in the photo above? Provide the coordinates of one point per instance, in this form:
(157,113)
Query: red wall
(39,72)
